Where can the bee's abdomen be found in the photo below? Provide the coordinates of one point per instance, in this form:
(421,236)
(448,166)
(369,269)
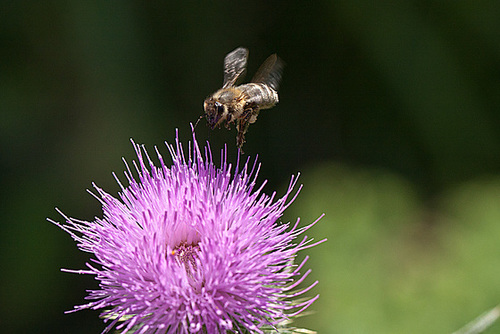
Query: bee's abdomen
(259,94)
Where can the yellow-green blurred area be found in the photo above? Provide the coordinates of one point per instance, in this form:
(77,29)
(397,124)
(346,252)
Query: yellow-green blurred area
(389,109)
(393,264)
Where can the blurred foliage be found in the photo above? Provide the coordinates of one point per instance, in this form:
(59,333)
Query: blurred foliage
(393,264)
(390,110)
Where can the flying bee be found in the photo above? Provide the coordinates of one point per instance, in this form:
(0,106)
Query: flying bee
(241,104)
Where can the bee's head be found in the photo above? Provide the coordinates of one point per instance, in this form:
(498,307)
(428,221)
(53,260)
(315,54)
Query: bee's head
(215,112)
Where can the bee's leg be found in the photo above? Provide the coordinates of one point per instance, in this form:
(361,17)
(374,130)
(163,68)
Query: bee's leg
(247,112)
(229,120)
(249,116)
(242,127)
(252,117)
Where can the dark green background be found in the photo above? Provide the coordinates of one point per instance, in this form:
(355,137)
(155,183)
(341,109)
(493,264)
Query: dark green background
(390,109)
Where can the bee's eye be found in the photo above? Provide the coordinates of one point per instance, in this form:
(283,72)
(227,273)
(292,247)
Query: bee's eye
(219,107)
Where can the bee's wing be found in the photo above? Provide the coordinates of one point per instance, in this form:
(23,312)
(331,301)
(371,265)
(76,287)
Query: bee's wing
(235,65)
(269,72)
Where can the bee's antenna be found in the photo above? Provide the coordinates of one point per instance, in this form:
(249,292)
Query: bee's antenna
(199,119)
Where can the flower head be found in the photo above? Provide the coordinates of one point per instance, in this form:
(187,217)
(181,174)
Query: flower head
(192,248)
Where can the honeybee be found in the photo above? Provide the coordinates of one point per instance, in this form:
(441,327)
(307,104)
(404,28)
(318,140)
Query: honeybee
(241,104)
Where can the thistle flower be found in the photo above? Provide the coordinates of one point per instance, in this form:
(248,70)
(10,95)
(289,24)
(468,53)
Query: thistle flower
(192,248)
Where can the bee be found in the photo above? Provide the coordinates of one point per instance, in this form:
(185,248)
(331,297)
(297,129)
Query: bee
(241,104)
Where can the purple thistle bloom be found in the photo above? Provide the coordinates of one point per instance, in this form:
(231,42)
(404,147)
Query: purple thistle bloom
(192,248)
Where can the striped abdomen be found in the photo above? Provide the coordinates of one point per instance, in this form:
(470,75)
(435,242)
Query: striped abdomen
(259,94)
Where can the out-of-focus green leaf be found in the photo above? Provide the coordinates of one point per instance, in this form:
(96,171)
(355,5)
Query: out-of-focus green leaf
(393,264)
